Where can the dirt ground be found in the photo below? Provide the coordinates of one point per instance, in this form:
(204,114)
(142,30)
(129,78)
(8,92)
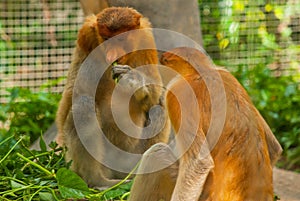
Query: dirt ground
(286,185)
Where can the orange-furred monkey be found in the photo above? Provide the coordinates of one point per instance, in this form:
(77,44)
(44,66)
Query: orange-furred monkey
(242,157)
(95,30)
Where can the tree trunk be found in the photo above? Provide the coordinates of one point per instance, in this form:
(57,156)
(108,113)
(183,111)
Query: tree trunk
(176,15)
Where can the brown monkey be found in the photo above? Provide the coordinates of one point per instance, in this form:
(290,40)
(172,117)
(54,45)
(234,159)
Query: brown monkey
(95,30)
(243,156)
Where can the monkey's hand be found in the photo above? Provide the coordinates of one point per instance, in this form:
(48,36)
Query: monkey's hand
(131,80)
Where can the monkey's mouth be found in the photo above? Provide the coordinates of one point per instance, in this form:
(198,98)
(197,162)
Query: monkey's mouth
(116,77)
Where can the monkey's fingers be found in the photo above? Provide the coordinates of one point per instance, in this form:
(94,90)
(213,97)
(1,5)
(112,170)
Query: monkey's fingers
(119,70)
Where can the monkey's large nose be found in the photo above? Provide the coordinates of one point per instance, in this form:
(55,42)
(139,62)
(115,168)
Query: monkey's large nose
(113,54)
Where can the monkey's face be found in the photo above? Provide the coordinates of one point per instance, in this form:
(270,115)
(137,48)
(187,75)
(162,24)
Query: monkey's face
(112,22)
(117,49)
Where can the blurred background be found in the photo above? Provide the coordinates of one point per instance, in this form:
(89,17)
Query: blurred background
(258,41)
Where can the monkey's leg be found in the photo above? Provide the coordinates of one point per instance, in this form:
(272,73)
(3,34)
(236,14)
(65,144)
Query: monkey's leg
(194,167)
(157,127)
(156,175)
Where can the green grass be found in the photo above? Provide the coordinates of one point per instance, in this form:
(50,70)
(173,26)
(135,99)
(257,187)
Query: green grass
(44,175)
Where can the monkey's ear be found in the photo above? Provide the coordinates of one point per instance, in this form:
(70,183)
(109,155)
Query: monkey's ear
(88,38)
(166,57)
(138,18)
(135,23)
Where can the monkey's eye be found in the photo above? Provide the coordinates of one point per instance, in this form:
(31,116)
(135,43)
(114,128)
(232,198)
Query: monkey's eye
(164,60)
(121,39)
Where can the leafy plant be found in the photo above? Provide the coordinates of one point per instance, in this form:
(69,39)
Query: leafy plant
(250,38)
(39,175)
(28,113)
(44,175)
(277,98)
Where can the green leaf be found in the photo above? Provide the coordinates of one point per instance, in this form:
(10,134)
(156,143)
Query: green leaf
(70,184)
(16,185)
(279,12)
(268,8)
(286,32)
(46,196)
(269,41)
(126,186)
(53,145)
(19,174)
(290,90)
(223,43)
(43,144)
(114,193)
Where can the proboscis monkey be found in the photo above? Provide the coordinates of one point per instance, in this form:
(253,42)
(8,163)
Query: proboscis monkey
(244,153)
(96,30)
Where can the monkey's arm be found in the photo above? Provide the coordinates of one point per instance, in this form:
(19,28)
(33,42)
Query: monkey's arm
(157,126)
(65,103)
(274,147)
(194,167)
(156,175)
(86,149)
(132,79)
(86,42)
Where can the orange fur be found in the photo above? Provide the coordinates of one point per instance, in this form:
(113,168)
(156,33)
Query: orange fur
(243,166)
(243,156)
(95,30)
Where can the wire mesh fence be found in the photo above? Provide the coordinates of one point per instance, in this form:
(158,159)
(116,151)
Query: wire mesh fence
(38,37)
(37,41)
(249,33)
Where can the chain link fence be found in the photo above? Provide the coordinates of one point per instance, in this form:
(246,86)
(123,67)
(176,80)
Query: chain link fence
(248,33)
(38,37)
(37,41)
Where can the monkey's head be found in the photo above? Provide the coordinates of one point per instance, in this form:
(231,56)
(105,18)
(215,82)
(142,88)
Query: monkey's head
(109,23)
(184,60)
(115,20)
